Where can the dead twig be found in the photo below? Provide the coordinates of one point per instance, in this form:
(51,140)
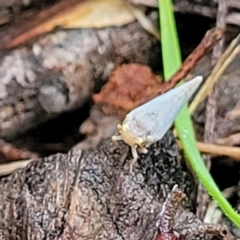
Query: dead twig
(232,152)
(231,52)
(209,40)
(220,24)
(8,168)
(143,20)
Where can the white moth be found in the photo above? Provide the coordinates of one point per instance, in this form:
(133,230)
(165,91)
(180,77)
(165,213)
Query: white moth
(149,122)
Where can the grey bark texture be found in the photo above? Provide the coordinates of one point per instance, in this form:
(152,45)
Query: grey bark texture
(60,72)
(92,195)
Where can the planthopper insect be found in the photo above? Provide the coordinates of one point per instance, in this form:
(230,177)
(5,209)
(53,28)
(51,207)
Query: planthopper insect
(149,122)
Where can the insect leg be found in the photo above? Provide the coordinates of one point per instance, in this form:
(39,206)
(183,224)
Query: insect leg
(135,156)
(142,150)
(119,127)
(115,139)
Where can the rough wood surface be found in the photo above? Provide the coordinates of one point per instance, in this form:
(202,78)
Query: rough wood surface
(92,195)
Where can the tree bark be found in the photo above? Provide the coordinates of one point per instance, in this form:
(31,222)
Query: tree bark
(60,71)
(92,195)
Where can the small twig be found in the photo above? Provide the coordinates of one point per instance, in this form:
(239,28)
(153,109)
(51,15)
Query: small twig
(213,213)
(232,51)
(220,24)
(9,168)
(143,20)
(203,197)
(210,122)
(232,152)
(231,140)
(209,40)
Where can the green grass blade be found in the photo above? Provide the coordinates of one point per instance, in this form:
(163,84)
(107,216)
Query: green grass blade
(171,62)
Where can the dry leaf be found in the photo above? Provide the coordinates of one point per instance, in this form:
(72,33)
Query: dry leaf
(70,14)
(94,14)
(99,14)
(129,86)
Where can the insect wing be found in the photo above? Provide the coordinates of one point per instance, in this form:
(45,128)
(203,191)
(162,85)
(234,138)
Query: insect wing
(157,116)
